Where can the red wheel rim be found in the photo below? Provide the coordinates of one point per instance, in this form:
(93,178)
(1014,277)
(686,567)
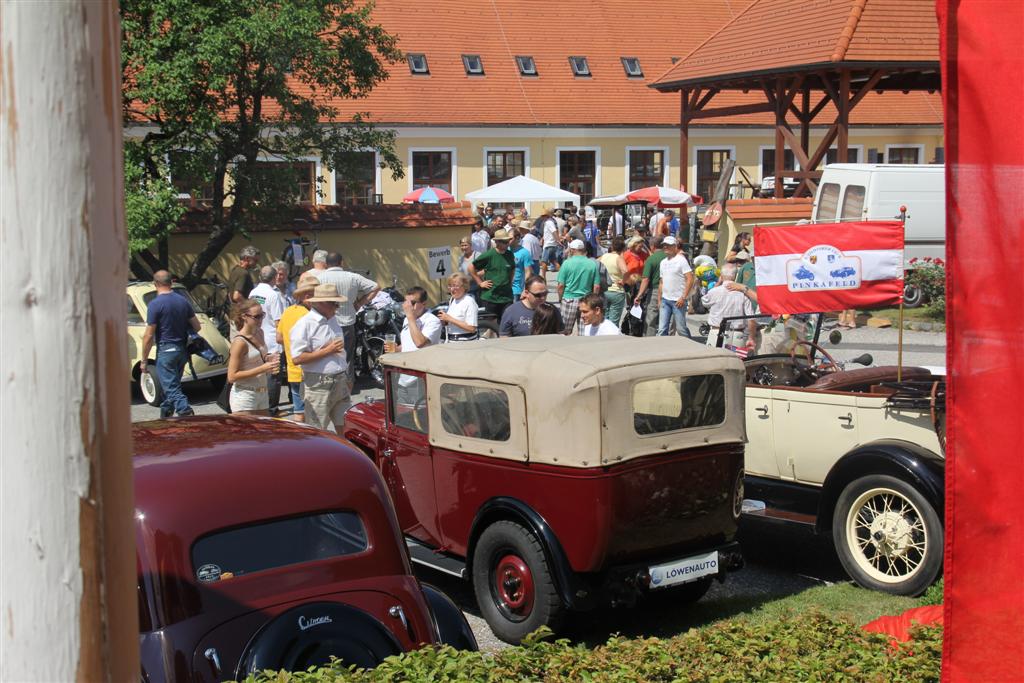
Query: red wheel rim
(513,582)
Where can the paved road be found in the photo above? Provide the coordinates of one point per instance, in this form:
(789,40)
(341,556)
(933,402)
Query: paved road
(778,564)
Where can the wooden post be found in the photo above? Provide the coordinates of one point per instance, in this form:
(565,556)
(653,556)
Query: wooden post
(68,584)
(843,105)
(805,122)
(684,141)
(780,143)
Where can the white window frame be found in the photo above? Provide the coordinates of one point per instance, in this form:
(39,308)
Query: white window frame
(376,176)
(667,165)
(760,154)
(455,166)
(319,196)
(526,165)
(597,166)
(918,146)
(698,148)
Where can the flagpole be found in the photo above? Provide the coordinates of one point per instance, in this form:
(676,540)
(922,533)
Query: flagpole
(899,343)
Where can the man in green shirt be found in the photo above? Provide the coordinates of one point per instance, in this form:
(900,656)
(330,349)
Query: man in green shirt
(498,266)
(576,278)
(649,282)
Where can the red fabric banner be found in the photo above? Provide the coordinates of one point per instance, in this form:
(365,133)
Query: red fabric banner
(982,73)
(829,266)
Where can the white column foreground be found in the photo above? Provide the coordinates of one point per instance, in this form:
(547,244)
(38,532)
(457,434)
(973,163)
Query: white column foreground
(67,584)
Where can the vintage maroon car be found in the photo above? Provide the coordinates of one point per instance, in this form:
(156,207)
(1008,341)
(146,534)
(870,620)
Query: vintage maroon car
(262,544)
(563,473)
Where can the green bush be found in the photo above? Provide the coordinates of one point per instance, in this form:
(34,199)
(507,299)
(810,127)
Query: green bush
(933,596)
(799,647)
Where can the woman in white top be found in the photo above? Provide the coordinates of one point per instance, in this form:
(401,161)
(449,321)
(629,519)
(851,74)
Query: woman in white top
(249,362)
(461,316)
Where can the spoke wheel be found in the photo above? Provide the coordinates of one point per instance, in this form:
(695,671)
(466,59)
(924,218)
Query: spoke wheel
(888,536)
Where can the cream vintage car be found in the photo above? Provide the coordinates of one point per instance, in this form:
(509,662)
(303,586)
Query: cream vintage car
(139,296)
(858,453)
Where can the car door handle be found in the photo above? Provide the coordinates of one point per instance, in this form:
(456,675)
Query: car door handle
(763,410)
(848,418)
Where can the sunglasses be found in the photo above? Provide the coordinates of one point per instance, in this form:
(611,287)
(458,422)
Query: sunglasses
(539,294)
(258,316)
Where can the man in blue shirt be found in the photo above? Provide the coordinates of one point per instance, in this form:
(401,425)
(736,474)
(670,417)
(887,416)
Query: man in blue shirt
(524,264)
(169,317)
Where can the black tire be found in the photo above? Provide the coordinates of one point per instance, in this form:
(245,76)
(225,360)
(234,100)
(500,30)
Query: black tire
(534,601)
(888,536)
(912,296)
(150,388)
(488,329)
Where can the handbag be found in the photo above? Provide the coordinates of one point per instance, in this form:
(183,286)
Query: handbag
(224,398)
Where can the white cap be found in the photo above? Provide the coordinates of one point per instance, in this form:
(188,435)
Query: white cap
(577,245)
(668,240)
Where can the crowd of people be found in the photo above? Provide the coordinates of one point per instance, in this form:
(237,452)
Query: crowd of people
(301,335)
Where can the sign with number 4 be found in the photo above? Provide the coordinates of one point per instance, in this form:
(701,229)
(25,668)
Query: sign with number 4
(439,262)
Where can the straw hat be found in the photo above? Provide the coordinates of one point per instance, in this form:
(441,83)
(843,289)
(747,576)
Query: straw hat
(307,283)
(501,235)
(326,293)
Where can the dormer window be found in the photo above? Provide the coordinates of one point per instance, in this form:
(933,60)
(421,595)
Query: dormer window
(474,65)
(632,67)
(418,63)
(579,66)
(526,65)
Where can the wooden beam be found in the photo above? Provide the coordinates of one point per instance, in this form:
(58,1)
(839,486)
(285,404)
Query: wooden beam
(707,98)
(798,151)
(866,88)
(684,138)
(829,89)
(823,147)
(792,90)
(805,121)
(780,149)
(807,187)
(802,174)
(694,96)
(732,111)
(843,139)
(818,107)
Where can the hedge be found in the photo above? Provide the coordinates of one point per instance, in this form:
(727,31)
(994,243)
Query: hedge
(802,647)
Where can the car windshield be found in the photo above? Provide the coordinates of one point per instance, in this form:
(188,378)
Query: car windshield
(775,334)
(179,290)
(223,555)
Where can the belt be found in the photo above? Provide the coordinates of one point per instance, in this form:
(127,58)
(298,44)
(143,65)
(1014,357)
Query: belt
(464,337)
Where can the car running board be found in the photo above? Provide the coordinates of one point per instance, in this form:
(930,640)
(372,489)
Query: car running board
(757,509)
(422,554)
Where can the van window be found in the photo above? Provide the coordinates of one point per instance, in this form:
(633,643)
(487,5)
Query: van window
(408,405)
(853,202)
(828,202)
(476,412)
(673,403)
(258,547)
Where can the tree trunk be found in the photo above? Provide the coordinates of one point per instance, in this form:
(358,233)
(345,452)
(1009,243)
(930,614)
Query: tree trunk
(220,236)
(68,583)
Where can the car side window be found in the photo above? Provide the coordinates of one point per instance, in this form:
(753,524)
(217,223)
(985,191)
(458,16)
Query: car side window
(134,317)
(476,412)
(669,404)
(408,403)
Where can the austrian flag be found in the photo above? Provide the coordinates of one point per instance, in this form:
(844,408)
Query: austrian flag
(829,266)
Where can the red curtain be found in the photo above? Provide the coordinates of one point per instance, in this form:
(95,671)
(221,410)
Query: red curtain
(983,92)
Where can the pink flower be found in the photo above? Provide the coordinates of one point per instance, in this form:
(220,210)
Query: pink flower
(914,260)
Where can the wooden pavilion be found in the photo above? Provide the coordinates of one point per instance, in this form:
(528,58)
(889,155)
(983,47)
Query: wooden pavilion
(805,59)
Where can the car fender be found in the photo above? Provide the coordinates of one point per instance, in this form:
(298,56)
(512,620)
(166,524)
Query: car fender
(449,622)
(908,461)
(513,509)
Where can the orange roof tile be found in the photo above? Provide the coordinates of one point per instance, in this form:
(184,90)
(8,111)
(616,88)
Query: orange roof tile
(773,35)
(770,209)
(601,30)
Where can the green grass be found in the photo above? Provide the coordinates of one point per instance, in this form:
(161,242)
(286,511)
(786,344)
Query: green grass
(844,600)
(923,314)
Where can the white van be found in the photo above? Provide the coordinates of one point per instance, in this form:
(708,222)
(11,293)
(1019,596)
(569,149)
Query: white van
(853,192)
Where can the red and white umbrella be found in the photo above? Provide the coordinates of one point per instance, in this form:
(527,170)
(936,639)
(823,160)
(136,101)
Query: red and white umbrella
(428,195)
(663,196)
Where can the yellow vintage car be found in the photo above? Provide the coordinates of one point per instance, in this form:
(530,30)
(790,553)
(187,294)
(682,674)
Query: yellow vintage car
(139,296)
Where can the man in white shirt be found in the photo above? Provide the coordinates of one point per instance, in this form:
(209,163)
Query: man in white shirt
(652,224)
(723,302)
(318,347)
(674,289)
(550,243)
(421,327)
(530,241)
(273,304)
(356,290)
(319,261)
(480,239)
(592,315)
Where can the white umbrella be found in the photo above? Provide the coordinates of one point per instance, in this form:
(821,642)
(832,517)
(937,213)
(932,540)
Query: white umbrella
(522,189)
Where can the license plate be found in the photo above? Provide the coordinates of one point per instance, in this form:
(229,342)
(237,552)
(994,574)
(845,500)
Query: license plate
(683,571)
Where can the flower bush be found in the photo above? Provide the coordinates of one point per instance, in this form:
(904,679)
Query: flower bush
(929,275)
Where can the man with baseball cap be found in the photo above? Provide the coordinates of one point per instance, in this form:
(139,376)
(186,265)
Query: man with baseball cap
(674,289)
(292,315)
(318,346)
(576,278)
(493,271)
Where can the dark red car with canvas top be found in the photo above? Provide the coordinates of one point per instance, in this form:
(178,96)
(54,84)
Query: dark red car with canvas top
(563,473)
(263,544)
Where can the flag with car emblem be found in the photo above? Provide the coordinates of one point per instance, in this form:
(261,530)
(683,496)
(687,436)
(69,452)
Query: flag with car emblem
(828,266)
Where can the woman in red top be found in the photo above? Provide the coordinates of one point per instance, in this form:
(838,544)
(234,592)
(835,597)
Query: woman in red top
(635,255)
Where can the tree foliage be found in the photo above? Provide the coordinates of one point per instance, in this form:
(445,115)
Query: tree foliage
(218,86)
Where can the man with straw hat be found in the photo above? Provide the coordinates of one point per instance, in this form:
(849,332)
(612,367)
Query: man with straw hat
(292,315)
(318,345)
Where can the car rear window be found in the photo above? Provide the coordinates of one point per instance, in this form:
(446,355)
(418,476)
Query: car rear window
(257,547)
(670,404)
(853,202)
(476,412)
(828,202)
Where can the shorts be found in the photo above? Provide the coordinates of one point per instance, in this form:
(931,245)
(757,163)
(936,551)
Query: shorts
(550,256)
(248,398)
(570,311)
(327,398)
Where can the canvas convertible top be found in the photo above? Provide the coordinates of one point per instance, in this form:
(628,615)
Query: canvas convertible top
(585,402)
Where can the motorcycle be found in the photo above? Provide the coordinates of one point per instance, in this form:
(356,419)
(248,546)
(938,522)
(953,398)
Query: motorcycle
(380,317)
